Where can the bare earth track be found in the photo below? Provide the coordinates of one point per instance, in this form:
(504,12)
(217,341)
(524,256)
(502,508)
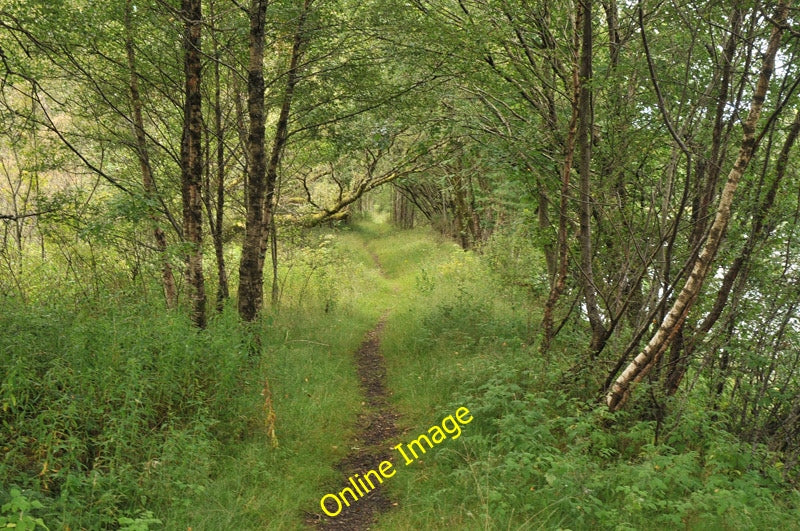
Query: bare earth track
(376,427)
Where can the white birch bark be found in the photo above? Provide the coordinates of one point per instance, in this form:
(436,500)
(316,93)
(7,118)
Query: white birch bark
(621,389)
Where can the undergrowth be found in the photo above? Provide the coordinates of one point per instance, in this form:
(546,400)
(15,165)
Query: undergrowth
(106,402)
(539,454)
(117,414)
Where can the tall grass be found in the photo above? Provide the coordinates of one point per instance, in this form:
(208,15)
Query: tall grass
(115,413)
(104,401)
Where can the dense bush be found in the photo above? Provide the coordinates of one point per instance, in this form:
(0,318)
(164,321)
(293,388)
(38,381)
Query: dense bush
(102,407)
(535,457)
(115,413)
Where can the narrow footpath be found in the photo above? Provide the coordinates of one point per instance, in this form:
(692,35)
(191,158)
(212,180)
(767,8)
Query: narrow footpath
(376,428)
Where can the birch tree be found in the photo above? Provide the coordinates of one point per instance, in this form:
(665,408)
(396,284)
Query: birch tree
(644,362)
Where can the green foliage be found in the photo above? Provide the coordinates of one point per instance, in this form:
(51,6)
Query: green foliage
(547,461)
(16,513)
(104,403)
(536,456)
(115,413)
(311,271)
(515,256)
(141,523)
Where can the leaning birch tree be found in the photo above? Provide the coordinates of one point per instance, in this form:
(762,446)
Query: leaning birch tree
(643,363)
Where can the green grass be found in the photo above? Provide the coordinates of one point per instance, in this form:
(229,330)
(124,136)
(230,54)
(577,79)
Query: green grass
(114,410)
(118,414)
(536,456)
(105,401)
(449,331)
(315,393)
(333,294)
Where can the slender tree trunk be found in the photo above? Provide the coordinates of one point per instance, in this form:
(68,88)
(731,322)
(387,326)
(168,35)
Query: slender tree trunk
(705,176)
(218,218)
(614,41)
(273,235)
(461,213)
(543,217)
(263,176)
(585,123)
(559,282)
(641,365)
(279,142)
(402,209)
(251,276)
(759,231)
(192,161)
(148,182)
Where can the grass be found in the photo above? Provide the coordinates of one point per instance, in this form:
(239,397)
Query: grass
(307,357)
(536,456)
(449,331)
(315,394)
(114,410)
(117,414)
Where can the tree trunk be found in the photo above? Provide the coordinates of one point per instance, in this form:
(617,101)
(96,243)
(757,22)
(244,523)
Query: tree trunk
(191,160)
(148,182)
(461,211)
(251,275)
(559,282)
(263,176)
(585,123)
(543,217)
(760,231)
(278,145)
(402,209)
(273,236)
(216,221)
(620,391)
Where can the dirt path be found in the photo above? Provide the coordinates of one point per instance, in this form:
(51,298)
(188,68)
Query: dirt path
(376,428)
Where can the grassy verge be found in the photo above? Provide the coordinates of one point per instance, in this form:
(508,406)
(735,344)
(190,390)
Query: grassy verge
(115,414)
(455,325)
(332,295)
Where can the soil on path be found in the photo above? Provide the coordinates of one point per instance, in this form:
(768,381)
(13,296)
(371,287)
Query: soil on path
(376,428)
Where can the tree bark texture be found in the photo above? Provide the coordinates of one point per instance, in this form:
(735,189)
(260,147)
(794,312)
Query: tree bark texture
(278,145)
(585,123)
(559,282)
(263,174)
(217,216)
(192,161)
(740,266)
(251,275)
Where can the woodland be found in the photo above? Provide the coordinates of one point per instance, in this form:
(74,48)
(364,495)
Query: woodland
(249,246)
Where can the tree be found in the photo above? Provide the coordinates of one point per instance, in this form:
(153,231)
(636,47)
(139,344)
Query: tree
(585,125)
(251,272)
(192,159)
(142,151)
(643,363)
